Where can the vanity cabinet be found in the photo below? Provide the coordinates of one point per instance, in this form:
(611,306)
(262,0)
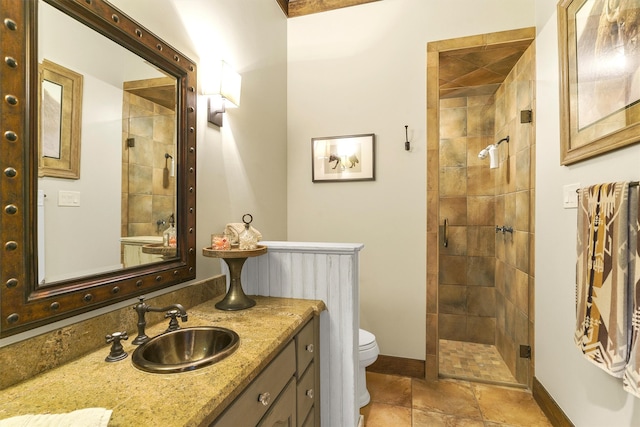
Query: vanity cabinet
(286,392)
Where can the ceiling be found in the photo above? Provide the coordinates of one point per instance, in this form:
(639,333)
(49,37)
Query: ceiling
(293,8)
(478,70)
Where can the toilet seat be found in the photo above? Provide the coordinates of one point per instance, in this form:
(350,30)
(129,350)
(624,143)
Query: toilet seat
(368,352)
(366,340)
(368,348)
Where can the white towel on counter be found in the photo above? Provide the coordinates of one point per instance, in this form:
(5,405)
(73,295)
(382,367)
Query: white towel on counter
(89,417)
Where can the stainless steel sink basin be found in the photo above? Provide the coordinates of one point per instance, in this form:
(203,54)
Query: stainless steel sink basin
(185,349)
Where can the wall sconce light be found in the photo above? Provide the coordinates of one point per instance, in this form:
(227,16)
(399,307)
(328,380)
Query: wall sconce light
(223,93)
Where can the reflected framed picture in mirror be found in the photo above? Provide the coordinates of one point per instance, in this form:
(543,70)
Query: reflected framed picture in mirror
(343,158)
(60,107)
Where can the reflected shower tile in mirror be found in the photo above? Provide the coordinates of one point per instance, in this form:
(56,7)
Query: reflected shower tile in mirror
(142,153)
(140,179)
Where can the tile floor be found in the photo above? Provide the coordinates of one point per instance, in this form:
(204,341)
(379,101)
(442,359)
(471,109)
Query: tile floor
(410,402)
(471,361)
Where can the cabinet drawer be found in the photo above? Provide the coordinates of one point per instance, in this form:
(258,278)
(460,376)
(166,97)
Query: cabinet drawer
(306,394)
(247,409)
(282,412)
(305,346)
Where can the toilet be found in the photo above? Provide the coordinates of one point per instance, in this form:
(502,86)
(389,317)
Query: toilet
(368,353)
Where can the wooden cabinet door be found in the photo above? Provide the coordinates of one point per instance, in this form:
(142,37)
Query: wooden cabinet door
(283,412)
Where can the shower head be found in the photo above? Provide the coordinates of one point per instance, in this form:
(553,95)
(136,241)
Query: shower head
(485,152)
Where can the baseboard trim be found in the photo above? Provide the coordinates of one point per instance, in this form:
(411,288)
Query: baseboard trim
(392,365)
(551,409)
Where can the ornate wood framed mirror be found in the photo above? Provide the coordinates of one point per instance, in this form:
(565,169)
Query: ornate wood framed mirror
(75,242)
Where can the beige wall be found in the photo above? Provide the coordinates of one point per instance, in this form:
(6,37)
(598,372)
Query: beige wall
(242,167)
(367,74)
(588,395)
(361,69)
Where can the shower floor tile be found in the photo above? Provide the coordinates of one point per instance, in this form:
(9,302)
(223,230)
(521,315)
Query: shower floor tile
(480,362)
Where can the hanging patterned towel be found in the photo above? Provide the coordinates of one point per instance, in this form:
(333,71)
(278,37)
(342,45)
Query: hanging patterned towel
(602,290)
(631,379)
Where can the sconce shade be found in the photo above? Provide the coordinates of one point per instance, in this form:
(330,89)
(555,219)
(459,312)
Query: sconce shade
(223,92)
(230,84)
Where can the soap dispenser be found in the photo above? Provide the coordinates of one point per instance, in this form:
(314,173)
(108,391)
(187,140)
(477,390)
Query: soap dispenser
(247,239)
(170,237)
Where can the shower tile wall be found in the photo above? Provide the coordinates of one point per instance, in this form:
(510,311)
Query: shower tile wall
(144,199)
(446,315)
(515,180)
(486,282)
(466,293)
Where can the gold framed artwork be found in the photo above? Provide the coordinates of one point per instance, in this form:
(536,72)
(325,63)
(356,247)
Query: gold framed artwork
(599,51)
(343,158)
(60,111)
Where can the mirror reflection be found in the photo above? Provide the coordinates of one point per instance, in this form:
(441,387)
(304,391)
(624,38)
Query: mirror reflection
(113,211)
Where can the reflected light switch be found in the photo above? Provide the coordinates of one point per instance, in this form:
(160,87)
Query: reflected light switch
(68,198)
(570,196)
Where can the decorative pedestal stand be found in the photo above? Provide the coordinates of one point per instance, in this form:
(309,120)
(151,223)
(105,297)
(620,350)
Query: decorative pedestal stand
(235,258)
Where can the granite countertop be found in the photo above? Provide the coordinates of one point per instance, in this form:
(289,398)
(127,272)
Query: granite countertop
(182,399)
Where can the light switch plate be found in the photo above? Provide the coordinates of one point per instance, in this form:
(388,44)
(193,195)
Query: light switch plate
(570,196)
(69,198)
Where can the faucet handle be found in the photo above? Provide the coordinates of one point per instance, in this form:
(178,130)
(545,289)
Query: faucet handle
(141,308)
(173,323)
(117,351)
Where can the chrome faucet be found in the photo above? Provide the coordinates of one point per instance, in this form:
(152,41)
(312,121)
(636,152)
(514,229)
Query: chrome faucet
(173,311)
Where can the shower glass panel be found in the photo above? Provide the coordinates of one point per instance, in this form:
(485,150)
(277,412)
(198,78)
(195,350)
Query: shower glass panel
(483,274)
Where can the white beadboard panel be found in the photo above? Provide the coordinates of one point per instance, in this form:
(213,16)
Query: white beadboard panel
(328,272)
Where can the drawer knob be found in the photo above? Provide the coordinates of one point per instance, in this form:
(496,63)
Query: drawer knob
(309,393)
(264,398)
(309,348)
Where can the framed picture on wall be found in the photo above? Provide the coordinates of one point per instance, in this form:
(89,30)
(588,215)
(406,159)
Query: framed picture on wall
(60,110)
(599,77)
(343,158)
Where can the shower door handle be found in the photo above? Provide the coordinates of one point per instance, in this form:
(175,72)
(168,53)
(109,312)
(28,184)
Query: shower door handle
(445,240)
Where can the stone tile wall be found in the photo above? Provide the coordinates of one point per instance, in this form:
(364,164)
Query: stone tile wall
(486,282)
(144,198)
(466,294)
